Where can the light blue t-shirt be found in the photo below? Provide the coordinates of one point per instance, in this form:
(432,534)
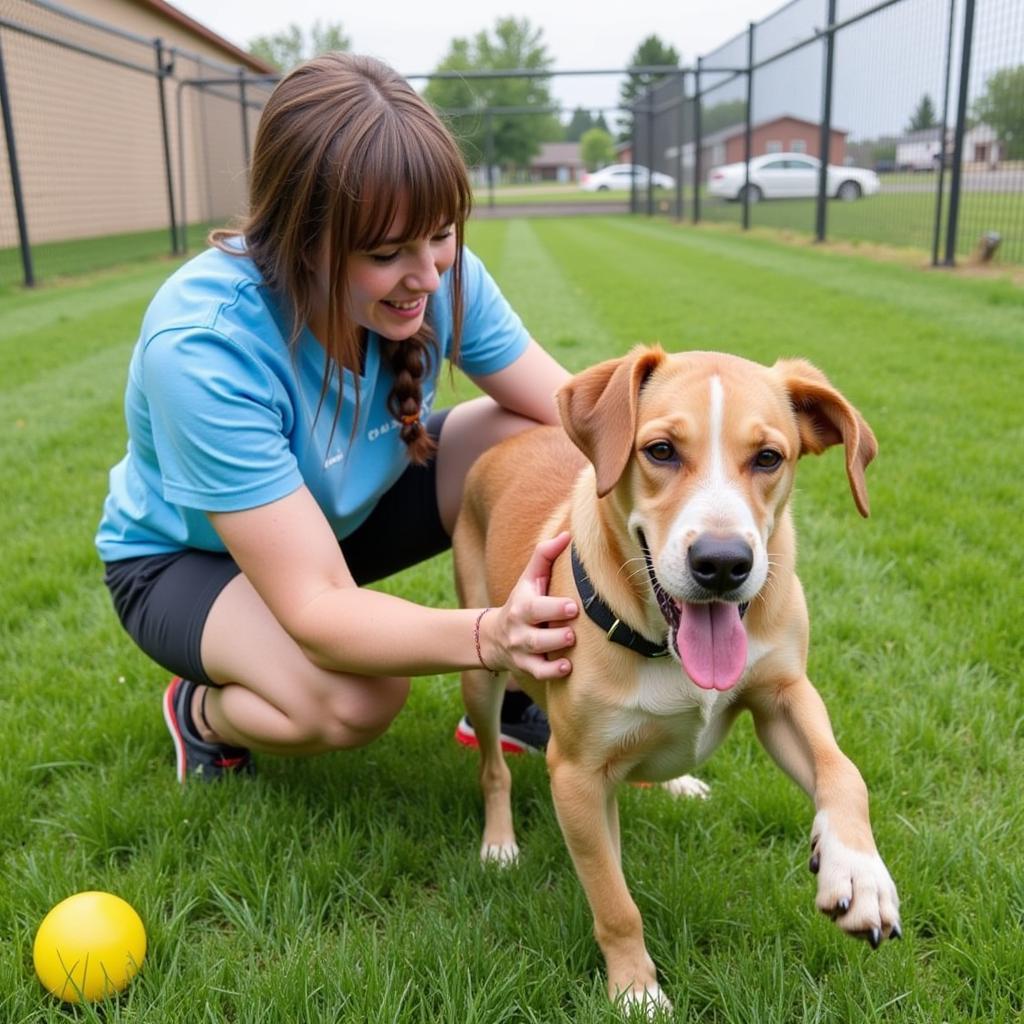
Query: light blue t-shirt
(222,415)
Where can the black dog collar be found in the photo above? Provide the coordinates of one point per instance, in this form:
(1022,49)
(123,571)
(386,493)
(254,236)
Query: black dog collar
(616,630)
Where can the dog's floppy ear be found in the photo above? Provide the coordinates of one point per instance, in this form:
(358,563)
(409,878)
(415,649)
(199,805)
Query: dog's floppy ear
(598,410)
(824,418)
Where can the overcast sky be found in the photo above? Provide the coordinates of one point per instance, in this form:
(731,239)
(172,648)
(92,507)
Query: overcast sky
(413,35)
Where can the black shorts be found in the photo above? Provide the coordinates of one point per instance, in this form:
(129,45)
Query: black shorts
(163,600)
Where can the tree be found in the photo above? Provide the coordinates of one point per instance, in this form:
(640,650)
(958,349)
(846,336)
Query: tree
(651,52)
(597,148)
(516,137)
(923,116)
(580,122)
(293,45)
(1001,107)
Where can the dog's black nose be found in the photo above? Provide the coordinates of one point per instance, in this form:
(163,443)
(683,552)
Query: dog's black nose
(720,564)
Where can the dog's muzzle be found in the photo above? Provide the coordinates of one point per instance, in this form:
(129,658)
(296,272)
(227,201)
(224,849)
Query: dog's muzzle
(708,634)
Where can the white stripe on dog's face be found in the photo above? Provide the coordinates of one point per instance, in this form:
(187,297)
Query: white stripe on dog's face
(717,503)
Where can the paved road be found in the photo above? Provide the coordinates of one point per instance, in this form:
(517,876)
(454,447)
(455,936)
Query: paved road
(482,211)
(1001,180)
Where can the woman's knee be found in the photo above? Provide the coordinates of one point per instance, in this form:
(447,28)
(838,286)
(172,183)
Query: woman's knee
(356,714)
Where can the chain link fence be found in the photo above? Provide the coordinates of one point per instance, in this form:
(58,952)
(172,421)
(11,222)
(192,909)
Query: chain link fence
(910,110)
(120,145)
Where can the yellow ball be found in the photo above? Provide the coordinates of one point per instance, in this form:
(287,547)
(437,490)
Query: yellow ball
(89,946)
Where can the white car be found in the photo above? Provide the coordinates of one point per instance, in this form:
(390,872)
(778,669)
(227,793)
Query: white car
(619,176)
(790,176)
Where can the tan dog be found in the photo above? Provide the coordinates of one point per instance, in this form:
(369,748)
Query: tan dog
(677,498)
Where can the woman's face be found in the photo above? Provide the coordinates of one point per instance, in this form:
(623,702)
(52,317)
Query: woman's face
(388,286)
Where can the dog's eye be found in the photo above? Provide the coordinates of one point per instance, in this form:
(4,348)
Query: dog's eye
(767,458)
(661,451)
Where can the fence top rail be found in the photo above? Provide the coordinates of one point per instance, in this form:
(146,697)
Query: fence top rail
(217,65)
(651,69)
(233,80)
(133,37)
(67,44)
(85,19)
(526,109)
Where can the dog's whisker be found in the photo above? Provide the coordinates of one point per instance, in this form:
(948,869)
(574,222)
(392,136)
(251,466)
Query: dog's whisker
(643,565)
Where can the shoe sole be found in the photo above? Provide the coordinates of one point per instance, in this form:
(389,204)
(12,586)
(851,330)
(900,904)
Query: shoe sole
(466,735)
(171,721)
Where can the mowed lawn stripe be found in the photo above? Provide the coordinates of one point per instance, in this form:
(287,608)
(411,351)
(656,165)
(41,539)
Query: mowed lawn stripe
(26,309)
(41,415)
(49,328)
(991,308)
(61,434)
(536,283)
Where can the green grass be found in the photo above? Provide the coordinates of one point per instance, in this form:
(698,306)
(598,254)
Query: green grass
(905,220)
(347,888)
(898,219)
(84,255)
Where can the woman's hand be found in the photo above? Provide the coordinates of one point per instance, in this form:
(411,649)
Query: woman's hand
(530,624)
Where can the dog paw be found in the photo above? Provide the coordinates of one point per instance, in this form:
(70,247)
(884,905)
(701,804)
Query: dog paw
(647,1003)
(688,786)
(503,855)
(854,888)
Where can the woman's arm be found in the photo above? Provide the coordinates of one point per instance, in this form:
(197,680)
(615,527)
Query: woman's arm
(292,558)
(528,385)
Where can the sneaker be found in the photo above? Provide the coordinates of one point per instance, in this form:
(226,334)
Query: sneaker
(525,733)
(195,757)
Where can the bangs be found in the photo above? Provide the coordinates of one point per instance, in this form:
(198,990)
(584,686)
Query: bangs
(412,165)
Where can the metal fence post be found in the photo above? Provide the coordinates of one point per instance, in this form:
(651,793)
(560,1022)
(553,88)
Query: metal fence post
(697,142)
(245,119)
(489,157)
(940,186)
(162,70)
(958,141)
(28,272)
(825,145)
(634,205)
(748,126)
(650,150)
(679,145)
(182,177)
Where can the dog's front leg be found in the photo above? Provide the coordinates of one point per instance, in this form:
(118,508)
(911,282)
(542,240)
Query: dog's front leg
(854,885)
(482,695)
(588,814)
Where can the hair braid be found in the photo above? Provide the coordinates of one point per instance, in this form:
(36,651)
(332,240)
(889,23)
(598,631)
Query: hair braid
(411,360)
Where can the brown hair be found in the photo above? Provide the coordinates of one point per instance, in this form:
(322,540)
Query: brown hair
(342,142)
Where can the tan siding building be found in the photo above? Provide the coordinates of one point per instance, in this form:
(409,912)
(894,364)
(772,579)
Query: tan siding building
(85,105)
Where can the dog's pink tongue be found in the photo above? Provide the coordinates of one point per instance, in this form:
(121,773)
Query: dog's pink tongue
(712,644)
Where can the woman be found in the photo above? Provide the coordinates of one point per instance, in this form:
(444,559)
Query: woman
(280,400)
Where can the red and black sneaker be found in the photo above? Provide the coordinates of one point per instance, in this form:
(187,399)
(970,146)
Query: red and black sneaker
(196,758)
(524,728)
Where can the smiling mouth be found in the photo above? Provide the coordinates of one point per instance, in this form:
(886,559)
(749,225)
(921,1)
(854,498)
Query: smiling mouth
(404,307)
(708,637)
